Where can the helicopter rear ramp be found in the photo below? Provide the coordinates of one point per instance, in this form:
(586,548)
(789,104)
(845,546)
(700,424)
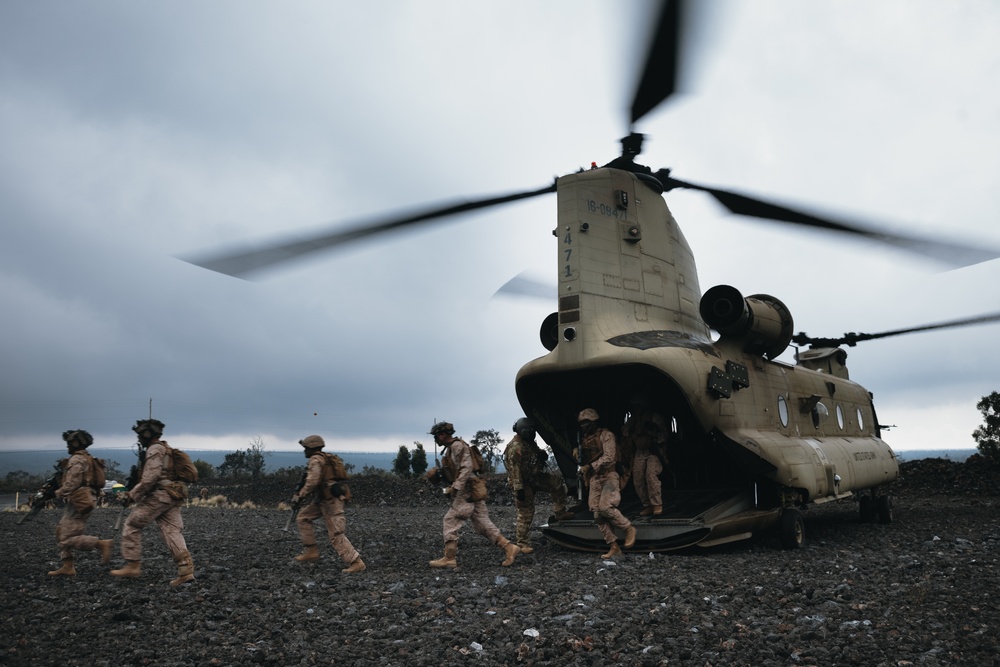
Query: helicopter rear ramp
(696,517)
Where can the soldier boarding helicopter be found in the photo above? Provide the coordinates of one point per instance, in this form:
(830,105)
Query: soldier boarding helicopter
(751,442)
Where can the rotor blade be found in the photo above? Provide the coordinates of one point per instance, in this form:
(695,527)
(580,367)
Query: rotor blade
(659,75)
(521,285)
(852,339)
(240,263)
(953,254)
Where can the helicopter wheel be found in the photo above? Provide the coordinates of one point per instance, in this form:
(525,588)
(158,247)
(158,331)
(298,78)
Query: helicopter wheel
(866,508)
(883,508)
(792,529)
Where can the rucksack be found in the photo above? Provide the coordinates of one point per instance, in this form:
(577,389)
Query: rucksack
(478,465)
(335,469)
(97,475)
(184,469)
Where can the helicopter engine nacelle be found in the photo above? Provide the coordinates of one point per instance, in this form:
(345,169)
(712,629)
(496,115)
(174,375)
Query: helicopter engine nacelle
(762,322)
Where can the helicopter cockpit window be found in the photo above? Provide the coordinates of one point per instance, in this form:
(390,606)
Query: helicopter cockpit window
(782,410)
(840,417)
(819,414)
(861,420)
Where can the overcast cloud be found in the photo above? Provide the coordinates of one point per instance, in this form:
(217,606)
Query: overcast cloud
(133,133)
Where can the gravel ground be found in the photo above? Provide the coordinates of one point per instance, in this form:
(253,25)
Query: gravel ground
(920,591)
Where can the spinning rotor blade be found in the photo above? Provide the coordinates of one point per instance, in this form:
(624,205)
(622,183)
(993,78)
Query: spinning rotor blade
(240,263)
(659,75)
(521,285)
(852,339)
(953,254)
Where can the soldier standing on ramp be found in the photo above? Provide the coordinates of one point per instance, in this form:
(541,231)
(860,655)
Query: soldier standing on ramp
(80,484)
(323,484)
(525,463)
(158,497)
(458,471)
(601,458)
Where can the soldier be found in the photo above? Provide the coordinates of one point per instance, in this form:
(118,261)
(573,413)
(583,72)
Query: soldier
(458,471)
(647,433)
(526,474)
(158,497)
(80,484)
(322,484)
(599,463)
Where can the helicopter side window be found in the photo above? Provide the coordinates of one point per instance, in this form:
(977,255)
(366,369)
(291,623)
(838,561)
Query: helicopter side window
(819,414)
(861,420)
(840,417)
(783,410)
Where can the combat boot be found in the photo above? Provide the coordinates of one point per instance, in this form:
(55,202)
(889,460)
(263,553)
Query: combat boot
(357,566)
(526,549)
(510,552)
(646,510)
(309,555)
(448,560)
(132,570)
(612,552)
(657,510)
(106,547)
(68,569)
(563,515)
(630,537)
(185,569)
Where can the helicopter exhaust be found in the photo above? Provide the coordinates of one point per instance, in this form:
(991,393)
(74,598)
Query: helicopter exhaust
(761,322)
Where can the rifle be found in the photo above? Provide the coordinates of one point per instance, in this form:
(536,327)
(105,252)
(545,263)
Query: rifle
(579,464)
(46,493)
(297,505)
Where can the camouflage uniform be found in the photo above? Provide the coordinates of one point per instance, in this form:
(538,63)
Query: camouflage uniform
(525,474)
(605,491)
(646,432)
(158,497)
(323,504)
(457,464)
(80,496)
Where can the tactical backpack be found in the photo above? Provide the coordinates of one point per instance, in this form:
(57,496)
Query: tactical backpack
(478,465)
(334,473)
(184,469)
(98,478)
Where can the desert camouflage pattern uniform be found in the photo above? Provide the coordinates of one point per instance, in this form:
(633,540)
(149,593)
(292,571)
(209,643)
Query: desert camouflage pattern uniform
(605,492)
(457,462)
(323,505)
(154,502)
(81,501)
(524,462)
(646,432)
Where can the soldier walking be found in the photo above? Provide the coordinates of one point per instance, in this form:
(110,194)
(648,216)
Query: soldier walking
(158,497)
(458,471)
(526,474)
(600,457)
(326,493)
(81,481)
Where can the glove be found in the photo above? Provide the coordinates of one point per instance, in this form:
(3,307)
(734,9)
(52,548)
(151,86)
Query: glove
(519,494)
(584,468)
(448,490)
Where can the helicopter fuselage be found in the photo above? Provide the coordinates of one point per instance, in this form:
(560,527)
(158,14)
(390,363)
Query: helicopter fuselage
(749,438)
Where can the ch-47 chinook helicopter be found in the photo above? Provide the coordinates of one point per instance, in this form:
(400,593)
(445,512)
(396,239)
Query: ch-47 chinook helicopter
(752,441)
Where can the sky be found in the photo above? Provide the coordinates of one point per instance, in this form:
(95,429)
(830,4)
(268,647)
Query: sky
(135,133)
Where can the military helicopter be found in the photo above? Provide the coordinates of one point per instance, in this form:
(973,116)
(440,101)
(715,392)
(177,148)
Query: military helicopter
(753,441)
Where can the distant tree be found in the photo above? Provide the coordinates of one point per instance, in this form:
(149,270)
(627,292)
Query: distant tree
(372,470)
(255,457)
(349,467)
(401,464)
(988,435)
(205,469)
(234,465)
(113,471)
(20,479)
(489,446)
(418,460)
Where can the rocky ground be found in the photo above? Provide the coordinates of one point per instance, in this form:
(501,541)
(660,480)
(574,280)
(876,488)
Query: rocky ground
(920,591)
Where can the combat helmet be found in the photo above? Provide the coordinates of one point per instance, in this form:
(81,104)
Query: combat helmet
(81,439)
(312,442)
(588,415)
(155,426)
(524,428)
(442,427)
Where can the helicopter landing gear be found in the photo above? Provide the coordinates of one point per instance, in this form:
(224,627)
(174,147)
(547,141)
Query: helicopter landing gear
(883,508)
(792,529)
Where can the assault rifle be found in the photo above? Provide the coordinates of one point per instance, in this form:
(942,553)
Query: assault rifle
(296,505)
(46,493)
(579,464)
